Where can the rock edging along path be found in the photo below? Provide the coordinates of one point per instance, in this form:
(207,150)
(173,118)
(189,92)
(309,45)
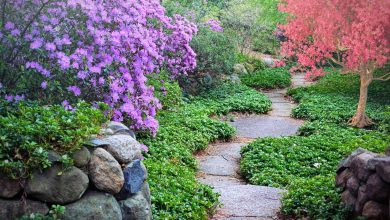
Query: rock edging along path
(219,164)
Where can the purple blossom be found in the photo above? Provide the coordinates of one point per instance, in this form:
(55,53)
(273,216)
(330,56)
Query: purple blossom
(9,25)
(36,44)
(76,90)
(50,47)
(214,25)
(44,85)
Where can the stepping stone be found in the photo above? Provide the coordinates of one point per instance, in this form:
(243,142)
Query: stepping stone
(219,181)
(219,166)
(259,126)
(243,201)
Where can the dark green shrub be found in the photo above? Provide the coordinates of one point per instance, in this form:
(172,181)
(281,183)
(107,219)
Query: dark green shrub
(257,64)
(28,131)
(269,78)
(216,57)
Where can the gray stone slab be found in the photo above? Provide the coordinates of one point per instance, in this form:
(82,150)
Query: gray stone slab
(249,201)
(256,126)
(220,181)
(218,165)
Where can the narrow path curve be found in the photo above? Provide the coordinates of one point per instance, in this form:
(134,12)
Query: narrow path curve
(219,164)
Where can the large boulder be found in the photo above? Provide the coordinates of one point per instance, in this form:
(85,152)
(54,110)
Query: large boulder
(377,189)
(81,157)
(342,178)
(359,165)
(346,163)
(124,148)
(9,187)
(93,205)
(374,210)
(383,168)
(348,198)
(105,172)
(13,209)
(56,185)
(135,175)
(135,208)
(353,185)
(361,199)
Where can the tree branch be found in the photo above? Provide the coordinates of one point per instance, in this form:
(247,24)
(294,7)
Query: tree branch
(383,78)
(336,61)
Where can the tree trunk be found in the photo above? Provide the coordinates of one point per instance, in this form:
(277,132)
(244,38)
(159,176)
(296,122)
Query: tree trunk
(360,119)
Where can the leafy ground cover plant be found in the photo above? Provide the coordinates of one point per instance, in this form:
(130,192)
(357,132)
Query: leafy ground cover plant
(305,164)
(28,131)
(269,78)
(175,192)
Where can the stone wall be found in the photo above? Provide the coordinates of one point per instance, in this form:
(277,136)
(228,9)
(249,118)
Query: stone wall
(364,178)
(107,181)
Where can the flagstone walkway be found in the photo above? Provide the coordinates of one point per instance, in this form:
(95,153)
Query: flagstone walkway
(219,164)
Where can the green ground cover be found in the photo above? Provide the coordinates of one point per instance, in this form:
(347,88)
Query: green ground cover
(269,78)
(305,164)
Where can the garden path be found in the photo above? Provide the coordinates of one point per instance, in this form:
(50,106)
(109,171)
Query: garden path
(219,163)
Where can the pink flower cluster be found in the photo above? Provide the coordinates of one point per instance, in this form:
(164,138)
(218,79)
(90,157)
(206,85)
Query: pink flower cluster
(214,25)
(106,47)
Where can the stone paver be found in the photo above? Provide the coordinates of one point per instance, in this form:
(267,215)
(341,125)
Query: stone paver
(219,164)
(258,126)
(248,201)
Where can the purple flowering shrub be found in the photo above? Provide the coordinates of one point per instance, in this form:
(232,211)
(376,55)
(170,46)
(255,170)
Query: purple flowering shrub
(59,51)
(214,25)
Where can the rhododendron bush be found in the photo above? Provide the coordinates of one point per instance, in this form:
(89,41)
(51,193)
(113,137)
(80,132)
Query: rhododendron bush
(59,51)
(354,34)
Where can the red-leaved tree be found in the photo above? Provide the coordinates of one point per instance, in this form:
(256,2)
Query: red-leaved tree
(354,34)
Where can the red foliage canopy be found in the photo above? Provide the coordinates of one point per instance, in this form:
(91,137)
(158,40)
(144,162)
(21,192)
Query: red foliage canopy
(352,33)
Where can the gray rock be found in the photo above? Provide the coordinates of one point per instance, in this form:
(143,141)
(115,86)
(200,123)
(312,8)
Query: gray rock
(359,165)
(146,192)
(269,61)
(53,157)
(124,194)
(377,189)
(105,172)
(383,168)
(374,210)
(388,152)
(9,187)
(98,143)
(342,178)
(135,174)
(353,185)
(348,198)
(240,69)
(124,148)
(81,157)
(135,208)
(94,206)
(361,199)
(58,186)
(119,128)
(346,163)
(13,209)
(234,78)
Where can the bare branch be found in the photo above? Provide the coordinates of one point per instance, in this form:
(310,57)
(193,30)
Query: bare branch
(336,61)
(383,78)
